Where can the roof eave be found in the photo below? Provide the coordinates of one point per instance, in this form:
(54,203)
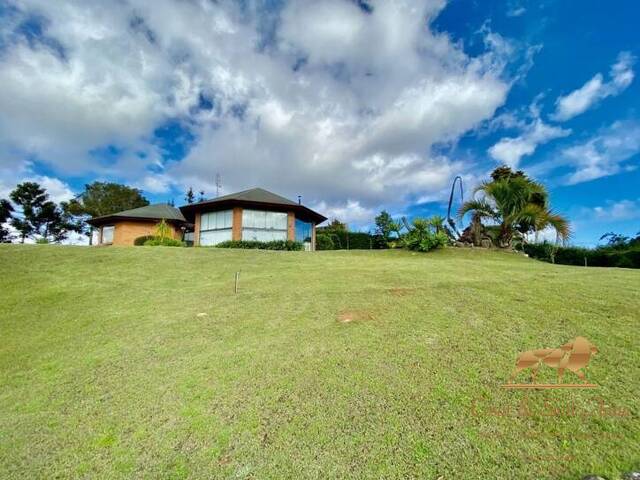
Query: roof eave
(97,221)
(192,207)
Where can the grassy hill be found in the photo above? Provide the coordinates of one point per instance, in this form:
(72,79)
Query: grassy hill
(142,362)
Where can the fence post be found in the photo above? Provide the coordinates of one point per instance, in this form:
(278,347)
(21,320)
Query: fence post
(237,278)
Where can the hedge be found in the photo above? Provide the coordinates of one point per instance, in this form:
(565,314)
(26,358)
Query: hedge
(274,245)
(596,257)
(138,242)
(163,242)
(342,240)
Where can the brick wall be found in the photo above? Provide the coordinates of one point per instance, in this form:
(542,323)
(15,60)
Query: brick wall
(126,232)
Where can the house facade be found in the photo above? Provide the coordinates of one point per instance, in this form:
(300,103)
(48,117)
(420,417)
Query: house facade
(255,214)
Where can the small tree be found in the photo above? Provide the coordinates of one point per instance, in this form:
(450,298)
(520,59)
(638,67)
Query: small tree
(6,209)
(384,225)
(40,218)
(336,226)
(163,231)
(104,198)
(190,196)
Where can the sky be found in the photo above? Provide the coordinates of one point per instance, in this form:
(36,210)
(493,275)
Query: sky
(355,105)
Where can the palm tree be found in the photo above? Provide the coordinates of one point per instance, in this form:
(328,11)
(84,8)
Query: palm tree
(517,204)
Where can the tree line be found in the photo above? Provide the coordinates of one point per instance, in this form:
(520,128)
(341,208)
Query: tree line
(35,216)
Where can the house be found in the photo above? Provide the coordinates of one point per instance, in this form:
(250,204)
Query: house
(254,214)
(123,228)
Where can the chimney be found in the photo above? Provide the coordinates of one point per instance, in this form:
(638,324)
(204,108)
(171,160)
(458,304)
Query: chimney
(299,200)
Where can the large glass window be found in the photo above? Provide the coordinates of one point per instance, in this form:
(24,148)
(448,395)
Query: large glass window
(264,226)
(304,231)
(215,227)
(107,234)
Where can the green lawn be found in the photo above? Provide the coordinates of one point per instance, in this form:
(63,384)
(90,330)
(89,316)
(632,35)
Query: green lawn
(141,362)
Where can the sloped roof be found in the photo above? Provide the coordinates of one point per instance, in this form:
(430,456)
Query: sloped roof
(255,197)
(259,195)
(157,211)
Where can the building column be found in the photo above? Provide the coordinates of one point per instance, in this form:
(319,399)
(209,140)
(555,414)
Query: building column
(236,224)
(196,230)
(291,226)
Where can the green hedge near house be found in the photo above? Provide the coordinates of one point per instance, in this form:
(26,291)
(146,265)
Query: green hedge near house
(155,241)
(163,242)
(288,245)
(138,242)
(596,257)
(342,240)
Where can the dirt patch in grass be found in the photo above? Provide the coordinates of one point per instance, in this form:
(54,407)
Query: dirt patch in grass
(347,316)
(401,291)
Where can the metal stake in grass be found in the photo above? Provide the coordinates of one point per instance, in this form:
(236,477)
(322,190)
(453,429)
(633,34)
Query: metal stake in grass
(237,279)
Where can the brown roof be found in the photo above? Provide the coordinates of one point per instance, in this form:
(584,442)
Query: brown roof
(157,211)
(255,197)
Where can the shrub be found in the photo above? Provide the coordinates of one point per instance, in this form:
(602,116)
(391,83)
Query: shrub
(138,242)
(324,242)
(289,245)
(163,242)
(424,236)
(163,230)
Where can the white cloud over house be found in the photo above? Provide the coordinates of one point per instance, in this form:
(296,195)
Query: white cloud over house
(310,99)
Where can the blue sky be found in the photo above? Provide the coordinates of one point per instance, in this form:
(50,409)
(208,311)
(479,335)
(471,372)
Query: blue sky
(356,106)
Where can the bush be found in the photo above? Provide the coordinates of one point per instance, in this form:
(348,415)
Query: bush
(424,237)
(324,242)
(344,240)
(596,257)
(163,242)
(289,245)
(138,242)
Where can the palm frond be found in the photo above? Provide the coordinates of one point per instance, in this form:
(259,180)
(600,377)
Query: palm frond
(481,208)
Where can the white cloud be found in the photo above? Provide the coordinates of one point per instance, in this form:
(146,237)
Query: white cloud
(516,12)
(616,211)
(58,190)
(606,153)
(354,121)
(596,89)
(352,213)
(510,150)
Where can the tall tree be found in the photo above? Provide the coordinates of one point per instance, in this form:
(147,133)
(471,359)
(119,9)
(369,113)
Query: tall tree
(517,204)
(40,218)
(336,226)
(384,225)
(6,209)
(104,198)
